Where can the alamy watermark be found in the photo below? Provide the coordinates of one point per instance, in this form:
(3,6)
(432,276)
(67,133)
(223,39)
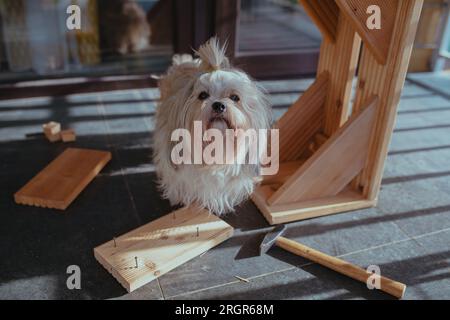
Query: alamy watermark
(74,280)
(73,21)
(236,146)
(374,20)
(374,280)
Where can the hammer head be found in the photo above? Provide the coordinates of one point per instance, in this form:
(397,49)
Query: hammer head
(270,238)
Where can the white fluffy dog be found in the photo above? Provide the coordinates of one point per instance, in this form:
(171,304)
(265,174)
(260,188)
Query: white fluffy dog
(209,90)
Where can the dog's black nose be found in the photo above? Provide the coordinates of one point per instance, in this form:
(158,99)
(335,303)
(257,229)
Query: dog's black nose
(218,107)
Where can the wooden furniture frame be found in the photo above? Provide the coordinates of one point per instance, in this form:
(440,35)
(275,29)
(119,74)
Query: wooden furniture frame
(332,153)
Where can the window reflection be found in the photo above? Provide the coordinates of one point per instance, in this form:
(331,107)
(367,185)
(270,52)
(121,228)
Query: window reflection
(116,37)
(275,25)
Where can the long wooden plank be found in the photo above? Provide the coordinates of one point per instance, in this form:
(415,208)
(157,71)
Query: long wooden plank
(58,184)
(339,59)
(144,254)
(346,200)
(334,165)
(377,40)
(303,120)
(385,81)
(324,14)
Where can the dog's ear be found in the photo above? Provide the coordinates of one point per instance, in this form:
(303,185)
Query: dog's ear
(261,104)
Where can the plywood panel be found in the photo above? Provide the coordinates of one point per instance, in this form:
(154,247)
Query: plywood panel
(377,40)
(303,120)
(58,184)
(142,255)
(334,165)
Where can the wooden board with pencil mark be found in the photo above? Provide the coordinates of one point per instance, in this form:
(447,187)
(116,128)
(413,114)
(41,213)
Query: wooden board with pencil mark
(140,256)
(58,184)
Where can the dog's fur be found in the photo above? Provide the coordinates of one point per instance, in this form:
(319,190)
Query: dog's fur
(218,188)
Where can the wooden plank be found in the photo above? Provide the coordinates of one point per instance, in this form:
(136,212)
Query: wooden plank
(385,81)
(285,171)
(377,40)
(303,120)
(324,14)
(58,184)
(144,254)
(334,165)
(339,59)
(346,200)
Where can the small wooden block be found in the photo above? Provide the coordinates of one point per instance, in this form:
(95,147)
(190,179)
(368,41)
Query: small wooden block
(52,131)
(58,184)
(53,137)
(161,246)
(52,127)
(68,135)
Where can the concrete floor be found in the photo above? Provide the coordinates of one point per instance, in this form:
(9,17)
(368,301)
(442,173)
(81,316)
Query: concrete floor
(407,235)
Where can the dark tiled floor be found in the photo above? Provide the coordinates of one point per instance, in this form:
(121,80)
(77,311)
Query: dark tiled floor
(439,83)
(407,235)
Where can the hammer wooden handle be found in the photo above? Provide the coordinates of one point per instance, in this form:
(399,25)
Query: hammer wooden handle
(387,285)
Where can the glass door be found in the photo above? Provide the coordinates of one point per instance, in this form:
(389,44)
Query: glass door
(269,38)
(115,37)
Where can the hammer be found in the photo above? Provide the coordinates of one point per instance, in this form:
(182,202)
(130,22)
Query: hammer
(387,285)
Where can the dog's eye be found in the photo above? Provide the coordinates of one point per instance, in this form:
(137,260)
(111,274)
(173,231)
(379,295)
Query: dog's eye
(234,97)
(203,95)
